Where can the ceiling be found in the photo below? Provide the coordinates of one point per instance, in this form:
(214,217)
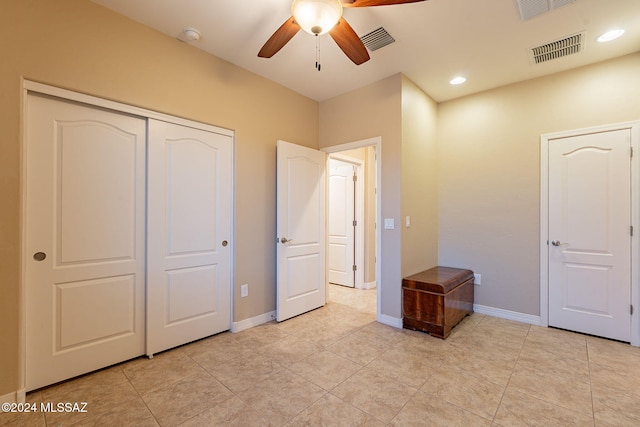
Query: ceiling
(484,40)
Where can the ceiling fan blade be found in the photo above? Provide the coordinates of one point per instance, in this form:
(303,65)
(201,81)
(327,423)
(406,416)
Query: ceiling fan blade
(278,39)
(366,3)
(349,42)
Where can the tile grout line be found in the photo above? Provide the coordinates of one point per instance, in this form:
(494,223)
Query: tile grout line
(593,408)
(326,392)
(493,420)
(221,383)
(144,402)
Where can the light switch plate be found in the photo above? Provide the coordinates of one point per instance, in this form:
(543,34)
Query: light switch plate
(389,224)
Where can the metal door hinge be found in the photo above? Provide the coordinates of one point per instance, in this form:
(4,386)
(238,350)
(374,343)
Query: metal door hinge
(355,268)
(355,222)
(355,178)
(631,308)
(631,229)
(631,151)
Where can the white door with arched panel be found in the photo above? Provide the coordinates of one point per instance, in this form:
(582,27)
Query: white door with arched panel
(342,223)
(189,234)
(590,236)
(84,238)
(301,229)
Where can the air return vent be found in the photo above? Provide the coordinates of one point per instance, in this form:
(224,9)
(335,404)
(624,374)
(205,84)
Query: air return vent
(557,49)
(531,8)
(377,39)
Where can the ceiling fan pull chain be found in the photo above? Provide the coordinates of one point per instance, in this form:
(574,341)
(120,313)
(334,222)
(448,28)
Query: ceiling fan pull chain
(317,53)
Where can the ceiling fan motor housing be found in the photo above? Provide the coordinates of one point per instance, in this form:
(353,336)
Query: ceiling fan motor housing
(317,16)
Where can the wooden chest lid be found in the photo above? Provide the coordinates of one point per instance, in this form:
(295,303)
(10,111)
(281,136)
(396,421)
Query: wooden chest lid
(437,279)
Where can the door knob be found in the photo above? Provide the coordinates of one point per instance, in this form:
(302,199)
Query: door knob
(39,256)
(285,240)
(224,243)
(557,243)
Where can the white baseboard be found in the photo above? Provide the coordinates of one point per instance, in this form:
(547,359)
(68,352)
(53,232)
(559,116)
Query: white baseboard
(253,321)
(366,285)
(19,396)
(507,314)
(390,321)
(369,285)
(8,398)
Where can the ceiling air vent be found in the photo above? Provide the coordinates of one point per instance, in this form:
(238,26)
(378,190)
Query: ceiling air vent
(557,49)
(377,39)
(531,8)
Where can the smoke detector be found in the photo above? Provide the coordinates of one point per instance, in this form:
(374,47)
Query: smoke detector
(188,35)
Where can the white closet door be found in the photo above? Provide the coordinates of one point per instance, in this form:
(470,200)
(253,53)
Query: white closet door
(84,247)
(188,235)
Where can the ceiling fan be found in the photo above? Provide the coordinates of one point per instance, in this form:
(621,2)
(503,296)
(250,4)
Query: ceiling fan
(319,17)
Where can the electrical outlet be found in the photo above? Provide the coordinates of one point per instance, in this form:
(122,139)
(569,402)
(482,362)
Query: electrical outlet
(477,278)
(244,290)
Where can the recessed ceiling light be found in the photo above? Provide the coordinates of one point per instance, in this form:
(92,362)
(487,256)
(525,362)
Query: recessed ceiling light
(610,35)
(457,80)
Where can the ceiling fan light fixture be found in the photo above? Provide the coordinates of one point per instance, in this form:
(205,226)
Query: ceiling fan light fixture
(317,17)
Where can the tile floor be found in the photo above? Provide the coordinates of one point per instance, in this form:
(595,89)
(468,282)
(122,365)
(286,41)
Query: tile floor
(337,367)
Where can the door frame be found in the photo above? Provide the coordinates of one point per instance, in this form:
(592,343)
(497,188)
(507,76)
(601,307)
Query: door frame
(29,86)
(545,141)
(377,143)
(359,216)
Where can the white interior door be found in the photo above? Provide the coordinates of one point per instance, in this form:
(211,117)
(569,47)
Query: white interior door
(589,233)
(189,235)
(341,223)
(301,229)
(84,243)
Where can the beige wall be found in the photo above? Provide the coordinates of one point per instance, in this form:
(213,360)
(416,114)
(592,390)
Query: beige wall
(356,153)
(374,111)
(78,45)
(419,180)
(489,170)
(405,118)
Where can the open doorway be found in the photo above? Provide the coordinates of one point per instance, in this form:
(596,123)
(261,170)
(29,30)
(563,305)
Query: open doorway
(353,200)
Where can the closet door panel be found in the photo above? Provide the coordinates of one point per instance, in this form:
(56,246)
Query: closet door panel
(84,246)
(189,234)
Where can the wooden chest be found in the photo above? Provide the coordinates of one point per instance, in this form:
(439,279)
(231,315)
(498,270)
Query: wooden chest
(437,299)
